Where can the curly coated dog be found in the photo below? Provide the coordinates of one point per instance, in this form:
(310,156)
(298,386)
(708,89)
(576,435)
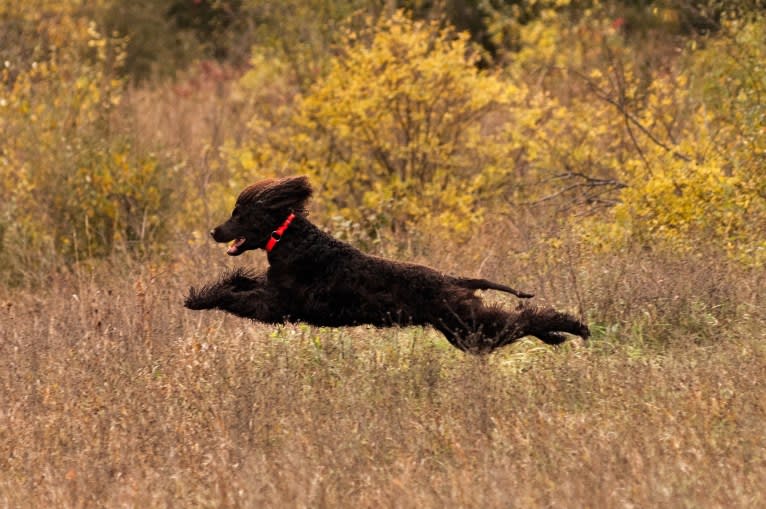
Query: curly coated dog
(317,279)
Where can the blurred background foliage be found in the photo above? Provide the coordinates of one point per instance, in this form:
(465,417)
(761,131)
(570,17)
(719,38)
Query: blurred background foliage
(615,124)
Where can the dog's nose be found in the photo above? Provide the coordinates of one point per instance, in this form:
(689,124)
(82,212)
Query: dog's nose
(212,233)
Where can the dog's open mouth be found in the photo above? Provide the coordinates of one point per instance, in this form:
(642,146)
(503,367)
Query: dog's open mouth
(234,247)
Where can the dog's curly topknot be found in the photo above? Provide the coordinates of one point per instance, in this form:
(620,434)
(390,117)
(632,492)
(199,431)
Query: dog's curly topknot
(291,193)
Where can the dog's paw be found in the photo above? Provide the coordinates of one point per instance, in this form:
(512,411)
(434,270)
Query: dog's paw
(196,300)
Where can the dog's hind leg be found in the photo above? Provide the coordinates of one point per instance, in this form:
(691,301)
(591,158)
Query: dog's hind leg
(481,329)
(547,324)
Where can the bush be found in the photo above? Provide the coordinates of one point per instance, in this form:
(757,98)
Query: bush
(662,152)
(404,129)
(705,184)
(70,183)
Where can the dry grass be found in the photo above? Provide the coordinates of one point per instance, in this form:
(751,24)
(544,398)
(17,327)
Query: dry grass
(111,394)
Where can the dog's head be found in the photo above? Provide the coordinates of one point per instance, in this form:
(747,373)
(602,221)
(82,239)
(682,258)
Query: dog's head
(259,210)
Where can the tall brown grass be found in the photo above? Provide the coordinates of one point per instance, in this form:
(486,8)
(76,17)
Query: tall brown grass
(113,395)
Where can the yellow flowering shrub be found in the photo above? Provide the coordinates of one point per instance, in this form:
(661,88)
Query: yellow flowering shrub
(403,128)
(663,152)
(69,183)
(706,187)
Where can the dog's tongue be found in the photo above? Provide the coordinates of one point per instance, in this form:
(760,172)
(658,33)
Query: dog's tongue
(234,246)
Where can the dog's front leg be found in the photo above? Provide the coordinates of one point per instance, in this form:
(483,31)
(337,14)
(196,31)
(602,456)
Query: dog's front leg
(226,289)
(242,294)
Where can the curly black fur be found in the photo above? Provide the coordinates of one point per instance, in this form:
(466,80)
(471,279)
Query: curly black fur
(317,279)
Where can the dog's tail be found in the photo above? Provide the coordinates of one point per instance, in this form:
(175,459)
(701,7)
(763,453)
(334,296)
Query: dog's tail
(484,284)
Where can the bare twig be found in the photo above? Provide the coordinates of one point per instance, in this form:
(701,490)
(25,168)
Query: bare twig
(587,182)
(629,118)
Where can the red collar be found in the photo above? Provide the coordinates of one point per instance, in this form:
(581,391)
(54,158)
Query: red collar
(276,235)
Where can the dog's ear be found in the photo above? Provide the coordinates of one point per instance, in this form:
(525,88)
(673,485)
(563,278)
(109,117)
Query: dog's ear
(287,193)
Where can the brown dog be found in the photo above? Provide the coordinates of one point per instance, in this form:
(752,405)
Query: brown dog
(317,279)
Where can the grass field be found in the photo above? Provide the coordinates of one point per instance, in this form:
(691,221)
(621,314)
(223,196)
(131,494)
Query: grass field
(113,395)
